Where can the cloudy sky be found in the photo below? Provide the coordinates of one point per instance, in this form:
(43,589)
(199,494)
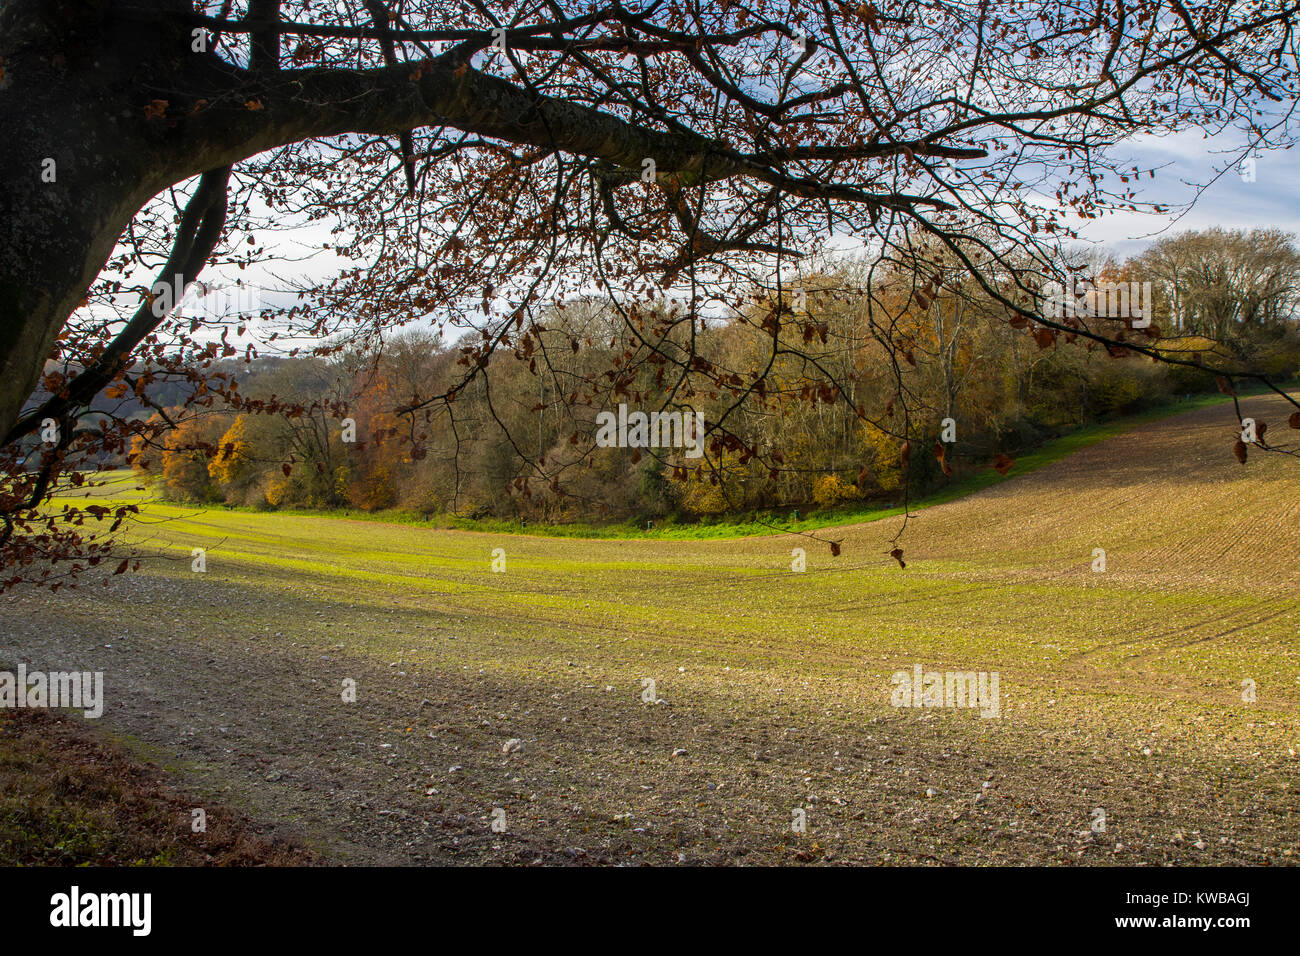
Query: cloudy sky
(1183,162)
(1273,199)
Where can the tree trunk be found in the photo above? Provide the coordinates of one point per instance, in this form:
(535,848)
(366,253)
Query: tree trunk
(65,196)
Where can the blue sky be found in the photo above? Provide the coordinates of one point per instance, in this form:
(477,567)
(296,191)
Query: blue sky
(1273,199)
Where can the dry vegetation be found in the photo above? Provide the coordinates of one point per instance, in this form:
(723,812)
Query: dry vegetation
(69,797)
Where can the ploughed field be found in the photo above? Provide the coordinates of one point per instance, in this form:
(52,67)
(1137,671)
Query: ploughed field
(521,698)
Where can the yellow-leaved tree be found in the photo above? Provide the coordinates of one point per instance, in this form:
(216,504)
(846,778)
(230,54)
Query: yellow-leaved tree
(234,452)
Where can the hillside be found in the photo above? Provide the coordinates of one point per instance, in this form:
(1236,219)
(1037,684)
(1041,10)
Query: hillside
(1120,691)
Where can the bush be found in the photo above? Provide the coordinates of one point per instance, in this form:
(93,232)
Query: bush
(830,491)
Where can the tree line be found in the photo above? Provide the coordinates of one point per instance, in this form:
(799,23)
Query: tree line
(829,423)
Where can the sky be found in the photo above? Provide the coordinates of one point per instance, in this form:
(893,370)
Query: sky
(1183,161)
(1272,199)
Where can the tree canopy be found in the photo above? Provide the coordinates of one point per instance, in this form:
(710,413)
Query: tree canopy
(477,164)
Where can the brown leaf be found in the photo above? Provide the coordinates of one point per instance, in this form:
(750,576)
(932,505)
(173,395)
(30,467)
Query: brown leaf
(897,555)
(835,549)
(287,469)
(905,455)
(1003,464)
(1239,449)
(1294,420)
(941,454)
(1225,386)
(303,52)
(156,109)
(253,104)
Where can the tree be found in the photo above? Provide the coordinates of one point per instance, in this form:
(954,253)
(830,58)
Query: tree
(479,160)
(185,469)
(233,454)
(1219,280)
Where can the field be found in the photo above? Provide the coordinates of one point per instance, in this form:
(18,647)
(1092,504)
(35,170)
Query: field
(520,697)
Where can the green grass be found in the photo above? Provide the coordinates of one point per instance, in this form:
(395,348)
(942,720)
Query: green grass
(724,527)
(951,605)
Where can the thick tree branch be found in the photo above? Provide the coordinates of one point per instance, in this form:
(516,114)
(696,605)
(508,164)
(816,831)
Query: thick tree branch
(447,91)
(196,236)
